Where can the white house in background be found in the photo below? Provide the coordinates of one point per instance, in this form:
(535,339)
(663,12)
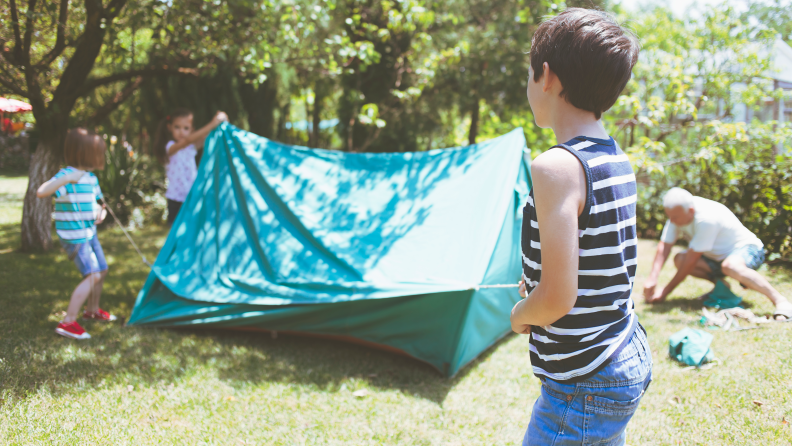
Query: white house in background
(781,75)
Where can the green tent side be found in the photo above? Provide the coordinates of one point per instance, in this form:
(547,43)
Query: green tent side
(384,249)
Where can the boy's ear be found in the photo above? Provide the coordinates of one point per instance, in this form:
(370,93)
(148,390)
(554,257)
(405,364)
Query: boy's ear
(548,77)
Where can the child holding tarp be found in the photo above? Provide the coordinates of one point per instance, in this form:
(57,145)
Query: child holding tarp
(76,215)
(175,147)
(586,345)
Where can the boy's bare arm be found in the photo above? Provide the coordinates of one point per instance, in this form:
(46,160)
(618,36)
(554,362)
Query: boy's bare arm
(560,195)
(51,186)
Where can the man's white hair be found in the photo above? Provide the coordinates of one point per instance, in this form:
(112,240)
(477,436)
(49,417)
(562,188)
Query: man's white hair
(677,196)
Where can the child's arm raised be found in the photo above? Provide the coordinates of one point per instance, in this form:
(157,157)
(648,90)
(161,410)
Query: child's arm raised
(560,196)
(198,135)
(51,186)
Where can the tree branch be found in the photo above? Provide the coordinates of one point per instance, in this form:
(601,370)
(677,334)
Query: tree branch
(17,33)
(91,84)
(28,31)
(114,8)
(12,88)
(60,42)
(82,60)
(8,82)
(117,100)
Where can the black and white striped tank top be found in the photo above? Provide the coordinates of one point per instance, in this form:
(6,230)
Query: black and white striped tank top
(603,319)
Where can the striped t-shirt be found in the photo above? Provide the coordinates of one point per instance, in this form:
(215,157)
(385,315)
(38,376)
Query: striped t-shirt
(76,208)
(602,321)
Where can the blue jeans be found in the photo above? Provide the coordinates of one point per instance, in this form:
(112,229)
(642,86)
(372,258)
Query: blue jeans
(88,256)
(594,411)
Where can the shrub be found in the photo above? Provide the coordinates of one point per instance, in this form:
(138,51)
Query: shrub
(133,185)
(733,164)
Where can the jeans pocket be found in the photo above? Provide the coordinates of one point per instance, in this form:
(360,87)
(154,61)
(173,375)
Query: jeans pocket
(605,420)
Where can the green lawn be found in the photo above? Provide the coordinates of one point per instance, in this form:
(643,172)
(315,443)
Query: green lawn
(147,386)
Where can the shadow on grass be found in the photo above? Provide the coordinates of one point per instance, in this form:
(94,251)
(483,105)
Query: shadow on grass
(687,304)
(36,289)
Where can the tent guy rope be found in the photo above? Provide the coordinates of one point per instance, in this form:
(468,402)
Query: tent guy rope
(143,257)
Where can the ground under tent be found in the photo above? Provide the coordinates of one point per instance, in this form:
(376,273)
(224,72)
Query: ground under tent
(384,249)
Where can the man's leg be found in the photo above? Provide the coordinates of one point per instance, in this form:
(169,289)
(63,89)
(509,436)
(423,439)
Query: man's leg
(734,266)
(702,270)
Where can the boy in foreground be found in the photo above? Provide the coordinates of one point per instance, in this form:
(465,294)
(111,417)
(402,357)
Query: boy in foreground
(586,345)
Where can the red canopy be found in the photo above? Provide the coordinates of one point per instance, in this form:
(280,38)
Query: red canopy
(13,106)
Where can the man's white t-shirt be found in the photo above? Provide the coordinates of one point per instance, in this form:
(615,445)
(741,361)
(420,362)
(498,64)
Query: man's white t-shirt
(715,231)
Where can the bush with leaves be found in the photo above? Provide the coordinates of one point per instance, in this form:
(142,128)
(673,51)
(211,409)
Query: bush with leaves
(733,164)
(133,185)
(679,121)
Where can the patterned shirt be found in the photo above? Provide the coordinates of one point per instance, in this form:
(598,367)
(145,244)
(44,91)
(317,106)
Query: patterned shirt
(602,321)
(181,171)
(76,209)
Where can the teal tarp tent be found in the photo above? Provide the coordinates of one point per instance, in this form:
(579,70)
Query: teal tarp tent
(384,249)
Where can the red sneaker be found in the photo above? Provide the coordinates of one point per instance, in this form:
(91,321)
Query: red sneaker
(100,315)
(72,330)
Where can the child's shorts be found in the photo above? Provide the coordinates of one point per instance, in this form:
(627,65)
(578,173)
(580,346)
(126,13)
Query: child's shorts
(88,256)
(595,411)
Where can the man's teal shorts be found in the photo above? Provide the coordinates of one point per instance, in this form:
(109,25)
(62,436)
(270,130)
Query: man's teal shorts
(753,255)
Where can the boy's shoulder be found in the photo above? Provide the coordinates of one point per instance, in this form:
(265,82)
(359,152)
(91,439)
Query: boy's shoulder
(63,171)
(556,165)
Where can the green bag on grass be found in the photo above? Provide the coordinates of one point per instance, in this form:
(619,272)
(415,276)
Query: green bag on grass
(691,347)
(721,297)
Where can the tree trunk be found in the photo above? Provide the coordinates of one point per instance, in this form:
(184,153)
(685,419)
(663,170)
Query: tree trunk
(259,103)
(320,92)
(37,212)
(474,122)
(285,115)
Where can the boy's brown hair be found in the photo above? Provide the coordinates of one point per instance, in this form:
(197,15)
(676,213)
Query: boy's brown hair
(84,149)
(590,53)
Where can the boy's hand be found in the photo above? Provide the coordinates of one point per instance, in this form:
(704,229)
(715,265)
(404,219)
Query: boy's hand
(102,214)
(75,176)
(521,290)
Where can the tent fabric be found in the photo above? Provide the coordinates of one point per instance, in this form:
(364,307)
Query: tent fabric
(384,248)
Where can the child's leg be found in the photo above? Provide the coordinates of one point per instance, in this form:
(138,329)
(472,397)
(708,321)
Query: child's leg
(92,304)
(173,210)
(98,264)
(90,260)
(79,296)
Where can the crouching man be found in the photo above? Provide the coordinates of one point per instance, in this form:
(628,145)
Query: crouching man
(718,246)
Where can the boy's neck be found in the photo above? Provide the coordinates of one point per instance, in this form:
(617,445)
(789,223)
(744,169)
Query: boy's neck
(569,122)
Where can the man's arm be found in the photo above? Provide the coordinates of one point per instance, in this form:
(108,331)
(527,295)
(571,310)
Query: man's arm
(559,195)
(687,267)
(663,251)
